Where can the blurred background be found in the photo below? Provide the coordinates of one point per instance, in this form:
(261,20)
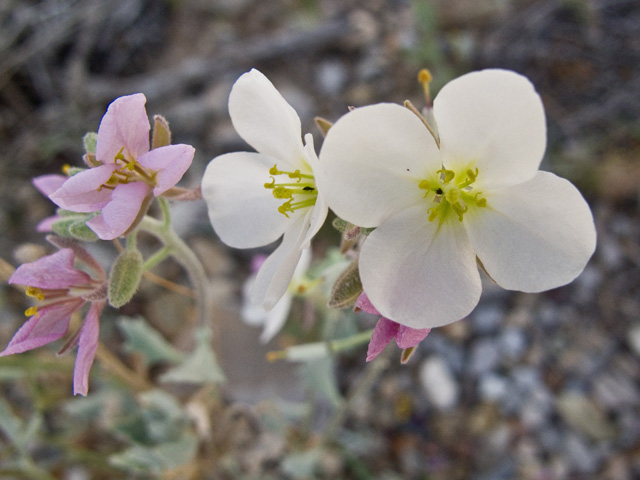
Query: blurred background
(529,386)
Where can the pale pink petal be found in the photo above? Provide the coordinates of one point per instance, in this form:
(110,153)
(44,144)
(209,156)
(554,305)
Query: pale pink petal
(382,334)
(47,224)
(421,274)
(120,213)
(170,163)
(50,272)
(495,119)
(408,337)
(87,347)
(82,192)
(363,303)
(124,125)
(50,324)
(372,162)
(47,184)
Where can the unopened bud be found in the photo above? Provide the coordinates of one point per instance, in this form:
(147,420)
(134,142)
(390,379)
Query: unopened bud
(125,277)
(161,136)
(347,288)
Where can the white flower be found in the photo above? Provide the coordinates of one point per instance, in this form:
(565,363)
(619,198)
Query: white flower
(256,198)
(478,194)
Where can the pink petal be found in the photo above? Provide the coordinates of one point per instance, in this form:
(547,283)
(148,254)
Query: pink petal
(408,337)
(50,324)
(47,184)
(47,224)
(170,163)
(363,303)
(50,272)
(87,347)
(120,213)
(124,125)
(82,192)
(383,332)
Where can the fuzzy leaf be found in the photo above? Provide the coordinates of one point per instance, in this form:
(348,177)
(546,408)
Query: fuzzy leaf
(143,338)
(199,367)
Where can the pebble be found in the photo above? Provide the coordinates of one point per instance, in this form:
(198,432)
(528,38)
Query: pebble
(486,318)
(485,356)
(439,383)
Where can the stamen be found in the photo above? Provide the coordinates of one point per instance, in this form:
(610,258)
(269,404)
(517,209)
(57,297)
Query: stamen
(31,311)
(425,77)
(288,190)
(35,292)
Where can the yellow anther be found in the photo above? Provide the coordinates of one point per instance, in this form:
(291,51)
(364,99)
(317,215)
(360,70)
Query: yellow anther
(433,214)
(274,170)
(282,192)
(424,76)
(31,311)
(131,165)
(446,175)
(66,168)
(296,174)
(35,292)
(270,185)
(481,202)
(424,185)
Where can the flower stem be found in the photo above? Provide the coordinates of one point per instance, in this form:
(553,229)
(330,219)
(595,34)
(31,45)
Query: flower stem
(365,382)
(175,246)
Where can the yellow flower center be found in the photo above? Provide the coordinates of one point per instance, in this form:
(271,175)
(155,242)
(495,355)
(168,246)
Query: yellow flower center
(451,192)
(129,171)
(299,194)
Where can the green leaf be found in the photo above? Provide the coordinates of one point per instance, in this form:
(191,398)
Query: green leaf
(140,337)
(125,276)
(15,429)
(156,459)
(319,376)
(199,367)
(79,230)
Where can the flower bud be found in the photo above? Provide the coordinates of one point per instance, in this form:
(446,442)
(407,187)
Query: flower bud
(125,277)
(347,288)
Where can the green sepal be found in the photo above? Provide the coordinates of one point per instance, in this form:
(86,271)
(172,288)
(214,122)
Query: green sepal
(89,141)
(347,288)
(323,125)
(79,230)
(124,277)
(161,136)
(74,171)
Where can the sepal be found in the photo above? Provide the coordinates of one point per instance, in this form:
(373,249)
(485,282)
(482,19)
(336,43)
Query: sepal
(125,277)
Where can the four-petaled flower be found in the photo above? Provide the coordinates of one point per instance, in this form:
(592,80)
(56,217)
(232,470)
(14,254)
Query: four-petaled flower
(474,195)
(255,198)
(61,289)
(387,330)
(125,174)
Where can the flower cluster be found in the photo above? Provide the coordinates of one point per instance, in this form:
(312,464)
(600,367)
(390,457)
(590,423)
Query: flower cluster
(107,200)
(439,193)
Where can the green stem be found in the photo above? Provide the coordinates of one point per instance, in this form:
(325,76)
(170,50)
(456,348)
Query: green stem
(185,257)
(365,382)
(156,258)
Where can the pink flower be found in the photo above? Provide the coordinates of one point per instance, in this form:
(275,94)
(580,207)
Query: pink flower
(47,184)
(61,289)
(126,174)
(386,330)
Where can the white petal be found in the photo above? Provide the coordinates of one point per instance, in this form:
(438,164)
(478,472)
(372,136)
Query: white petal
(276,272)
(495,118)
(264,119)
(243,213)
(372,161)
(418,273)
(534,236)
(318,213)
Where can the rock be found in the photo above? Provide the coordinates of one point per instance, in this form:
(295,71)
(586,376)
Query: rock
(439,384)
(485,356)
(581,413)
